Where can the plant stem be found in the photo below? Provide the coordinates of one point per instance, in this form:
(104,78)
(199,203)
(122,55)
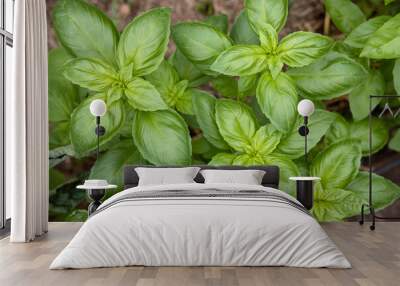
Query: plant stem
(327,24)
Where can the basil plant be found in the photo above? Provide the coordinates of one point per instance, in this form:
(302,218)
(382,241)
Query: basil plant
(225,96)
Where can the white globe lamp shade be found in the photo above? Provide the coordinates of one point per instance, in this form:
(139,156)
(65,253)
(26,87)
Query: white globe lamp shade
(305,107)
(98,107)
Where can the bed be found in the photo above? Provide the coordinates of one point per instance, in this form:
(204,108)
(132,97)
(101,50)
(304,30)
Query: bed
(199,224)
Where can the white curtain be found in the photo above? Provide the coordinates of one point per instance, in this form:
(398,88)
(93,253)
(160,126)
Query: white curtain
(27,125)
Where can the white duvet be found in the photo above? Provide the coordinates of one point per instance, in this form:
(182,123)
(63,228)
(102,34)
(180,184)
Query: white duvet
(200,231)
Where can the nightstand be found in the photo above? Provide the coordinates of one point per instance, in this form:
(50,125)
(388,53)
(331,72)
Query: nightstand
(304,190)
(95,189)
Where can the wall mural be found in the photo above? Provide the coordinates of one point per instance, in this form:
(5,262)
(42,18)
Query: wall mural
(223,97)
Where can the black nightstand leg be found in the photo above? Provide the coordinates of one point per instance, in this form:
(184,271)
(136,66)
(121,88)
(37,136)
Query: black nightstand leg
(361,222)
(96,195)
(305,193)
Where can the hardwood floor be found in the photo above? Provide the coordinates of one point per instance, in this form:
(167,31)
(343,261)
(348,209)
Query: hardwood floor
(375,257)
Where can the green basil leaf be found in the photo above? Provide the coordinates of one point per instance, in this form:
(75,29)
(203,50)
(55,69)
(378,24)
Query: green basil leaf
(387,2)
(345,14)
(242,33)
(142,95)
(200,43)
(218,21)
(360,35)
(59,134)
(292,145)
(190,120)
(204,108)
(241,61)
(265,141)
(260,117)
(63,96)
(83,125)
(126,130)
(184,102)
(60,154)
(77,215)
(385,192)
(359,130)
(247,85)
(335,204)
(350,52)
(302,48)
(380,134)
(275,66)
(111,164)
(226,86)
(144,41)
(178,93)
(187,70)
(262,12)
(331,76)
(126,73)
(56,179)
(338,164)
(340,129)
(269,39)
(248,160)
(162,137)
(386,68)
(91,74)
(359,96)
(164,78)
(85,31)
(394,143)
(287,169)
(200,145)
(278,100)
(236,123)
(57,58)
(114,94)
(222,159)
(384,42)
(396,76)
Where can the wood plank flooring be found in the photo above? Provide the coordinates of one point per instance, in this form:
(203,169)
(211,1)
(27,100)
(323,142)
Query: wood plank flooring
(375,257)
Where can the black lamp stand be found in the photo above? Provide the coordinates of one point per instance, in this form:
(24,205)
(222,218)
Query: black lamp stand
(303,131)
(100,131)
(304,193)
(96,194)
(304,186)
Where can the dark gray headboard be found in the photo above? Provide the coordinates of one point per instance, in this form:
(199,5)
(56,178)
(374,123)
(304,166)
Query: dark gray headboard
(271,178)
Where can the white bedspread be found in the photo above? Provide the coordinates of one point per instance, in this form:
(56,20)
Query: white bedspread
(200,231)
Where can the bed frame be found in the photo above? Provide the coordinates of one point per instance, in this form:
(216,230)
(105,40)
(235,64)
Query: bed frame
(271,178)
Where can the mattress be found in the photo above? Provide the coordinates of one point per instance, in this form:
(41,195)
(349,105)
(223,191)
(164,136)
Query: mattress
(201,225)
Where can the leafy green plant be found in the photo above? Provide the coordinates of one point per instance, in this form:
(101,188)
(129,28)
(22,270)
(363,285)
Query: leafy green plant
(275,90)
(395,142)
(371,43)
(224,97)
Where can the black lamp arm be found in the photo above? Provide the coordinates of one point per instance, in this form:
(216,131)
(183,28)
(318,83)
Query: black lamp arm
(304,131)
(100,131)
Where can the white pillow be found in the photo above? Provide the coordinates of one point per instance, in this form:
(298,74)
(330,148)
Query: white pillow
(247,177)
(165,176)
